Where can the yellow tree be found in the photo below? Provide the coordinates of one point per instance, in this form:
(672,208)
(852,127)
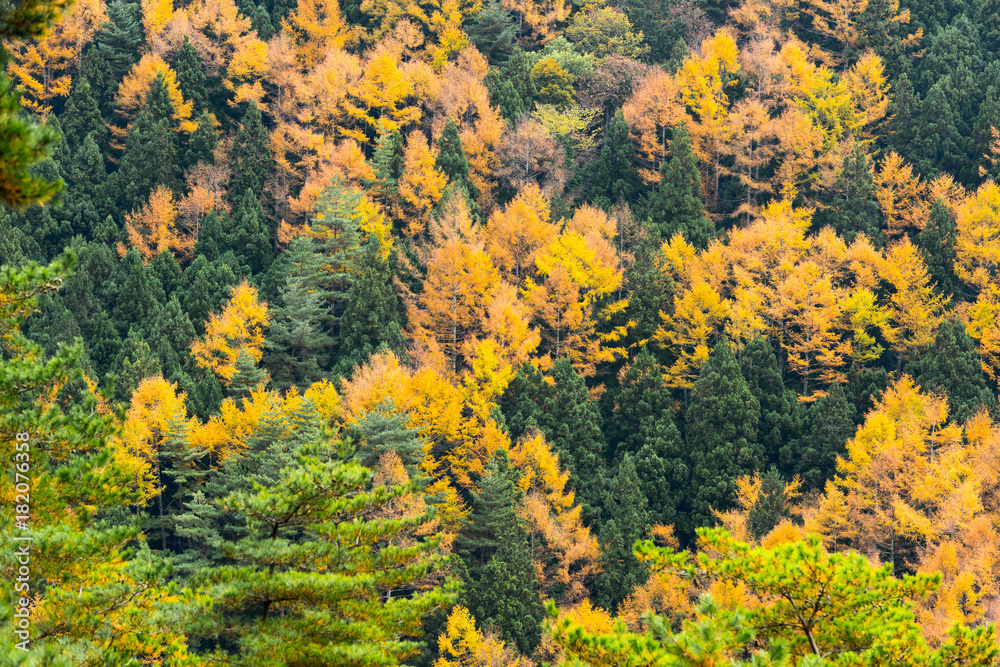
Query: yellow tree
(44,67)
(901,196)
(652,110)
(915,309)
(463,645)
(316,27)
(240,326)
(690,331)
(977,246)
(154,227)
(422,183)
(516,234)
(868,86)
(134,91)
(384,97)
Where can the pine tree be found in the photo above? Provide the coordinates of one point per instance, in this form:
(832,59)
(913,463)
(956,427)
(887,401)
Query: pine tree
(650,290)
(171,331)
(780,418)
(82,116)
(339,235)
(676,206)
(451,159)
(903,112)
(771,505)
(387,162)
(664,474)
(301,572)
(202,143)
(558,404)
(503,589)
(937,245)
(830,425)
(492,30)
(134,363)
(118,48)
(248,377)
(150,159)
(938,141)
(503,95)
(87,201)
(384,430)
(191,76)
(855,210)
(134,293)
(614,177)
(626,521)
(204,289)
(721,433)
(952,366)
(372,319)
(246,234)
(250,156)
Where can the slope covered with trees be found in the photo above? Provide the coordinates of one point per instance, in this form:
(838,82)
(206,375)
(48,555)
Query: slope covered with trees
(501,332)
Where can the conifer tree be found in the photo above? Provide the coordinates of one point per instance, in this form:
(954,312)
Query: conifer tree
(372,319)
(134,363)
(246,234)
(663,470)
(82,115)
(721,433)
(382,430)
(952,366)
(300,590)
(202,143)
(614,177)
(248,377)
(250,156)
(677,205)
(150,159)
(87,202)
(134,292)
(771,505)
(937,245)
(492,31)
(626,521)
(558,404)
(204,288)
(780,418)
(191,76)
(171,331)
(387,162)
(117,48)
(855,210)
(939,144)
(338,232)
(298,341)
(830,425)
(503,589)
(452,161)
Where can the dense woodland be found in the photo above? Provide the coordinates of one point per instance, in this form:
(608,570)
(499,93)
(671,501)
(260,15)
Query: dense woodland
(503,332)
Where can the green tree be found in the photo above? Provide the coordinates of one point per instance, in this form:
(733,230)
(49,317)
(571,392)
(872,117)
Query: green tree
(134,363)
(558,405)
(372,319)
(663,469)
(492,30)
(952,365)
(937,245)
(382,430)
(310,580)
(830,425)
(553,83)
(771,505)
(82,116)
(250,156)
(614,177)
(939,143)
(780,418)
(149,160)
(676,206)
(248,376)
(191,76)
(245,232)
(854,208)
(451,158)
(721,434)
(202,143)
(204,288)
(626,521)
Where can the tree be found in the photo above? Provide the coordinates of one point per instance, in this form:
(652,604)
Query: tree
(154,229)
(371,321)
(780,416)
(82,115)
(336,227)
(504,589)
(240,326)
(676,206)
(558,404)
(625,522)
(246,233)
(830,424)
(385,430)
(191,76)
(614,176)
(250,156)
(937,242)
(149,160)
(492,31)
(553,83)
(855,209)
(280,586)
(721,433)
(451,159)
(952,366)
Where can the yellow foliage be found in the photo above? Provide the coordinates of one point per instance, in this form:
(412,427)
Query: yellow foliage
(240,326)
(134,90)
(154,227)
(463,645)
(977,246)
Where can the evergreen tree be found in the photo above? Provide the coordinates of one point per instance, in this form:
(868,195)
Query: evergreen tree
(503,590)
(150,159)
(311,570)
(165,269)
(82,116)
(937,245)
(676,206)
(245,233)
(614,177)
(387,162)
(625,522)
(516,71)
(117,49)
(865,386)
(492,30)
(382,430)
(780,419)
(504,96)
(191,76)
(171,331)
(952,366)
(250,156)
(202,143)
(134,363)
(987,19)
(651,291)
(372,319)
(721,431)
(830,425)
(336,227)
(855,210)
(939,143)
(204,289)
(134,293)
(204,396)
(298,341)
(559,405)
(262,23)
(248,377)
(451,158)
(982,135)
(771,505)
(664,475)
(903,113)
(87,202)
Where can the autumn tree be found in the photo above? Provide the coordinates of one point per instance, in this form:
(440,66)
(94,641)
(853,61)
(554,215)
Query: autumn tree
(239,326)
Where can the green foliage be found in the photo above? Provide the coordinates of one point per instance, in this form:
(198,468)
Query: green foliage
(250,156)
(191,76)
(780,416)
(149,160)
(614,177)
(721,433)
(554,84)
(386,430)
(855,210)
(625,521)
(771,505)
(676,206)
(937,245)
(830,425)
(492,30)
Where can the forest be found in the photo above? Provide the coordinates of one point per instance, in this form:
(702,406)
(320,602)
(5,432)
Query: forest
(500,333)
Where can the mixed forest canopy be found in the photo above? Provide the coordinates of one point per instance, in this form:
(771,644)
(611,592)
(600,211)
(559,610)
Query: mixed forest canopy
(501,332)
